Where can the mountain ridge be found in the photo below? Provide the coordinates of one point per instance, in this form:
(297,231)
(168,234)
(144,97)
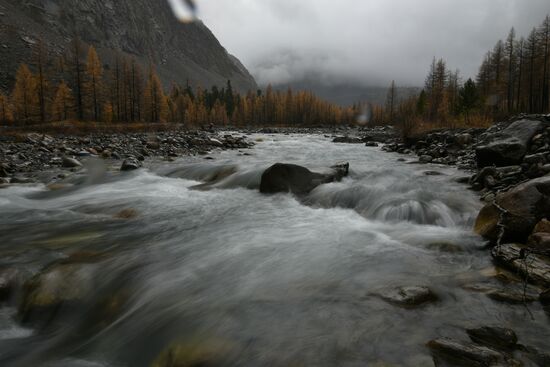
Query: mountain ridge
(147,31)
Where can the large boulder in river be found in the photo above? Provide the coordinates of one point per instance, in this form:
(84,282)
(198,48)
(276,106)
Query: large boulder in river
(517,210)
(509,146)
(283,177)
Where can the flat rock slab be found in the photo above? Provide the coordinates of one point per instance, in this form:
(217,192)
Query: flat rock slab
(411,296)
(535,268)
(494,337)
(457,353)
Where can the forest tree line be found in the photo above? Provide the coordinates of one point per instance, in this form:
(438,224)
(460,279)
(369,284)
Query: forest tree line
(81,88)
(513,78)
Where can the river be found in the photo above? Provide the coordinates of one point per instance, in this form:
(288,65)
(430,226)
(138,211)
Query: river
(265,280)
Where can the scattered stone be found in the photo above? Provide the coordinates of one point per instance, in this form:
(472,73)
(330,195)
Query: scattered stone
(8,280)
(21,180)
(347,140)
(412,296)
(69,162)
(445,247)
(425,159)
(130,164)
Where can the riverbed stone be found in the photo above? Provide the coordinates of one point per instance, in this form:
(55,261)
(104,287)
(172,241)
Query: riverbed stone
(130,164)
(494,337)
(69,162)
(525,206)
(8,281)
(347,140)
(210,353)
(59,285)
(458,353)
(516,257)
(283,177)
(408,296)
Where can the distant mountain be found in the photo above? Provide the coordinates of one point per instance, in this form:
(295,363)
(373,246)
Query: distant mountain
(144,29)
(347,94)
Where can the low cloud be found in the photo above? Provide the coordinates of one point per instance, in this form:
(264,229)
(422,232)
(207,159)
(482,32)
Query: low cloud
(364,42)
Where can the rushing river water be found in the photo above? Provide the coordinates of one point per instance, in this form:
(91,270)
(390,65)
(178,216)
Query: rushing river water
(264,280)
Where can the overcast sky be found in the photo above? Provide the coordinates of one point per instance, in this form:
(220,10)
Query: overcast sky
(364,41)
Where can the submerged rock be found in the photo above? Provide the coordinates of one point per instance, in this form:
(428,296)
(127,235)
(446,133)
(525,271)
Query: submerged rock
(411,296)
(525,206)
(57,286)
(297,179)
(496,337)
(348,140)
(204,354)
(509,146)
(8,281)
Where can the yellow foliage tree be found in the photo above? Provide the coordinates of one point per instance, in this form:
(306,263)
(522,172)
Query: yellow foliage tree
(25,99)
(62,102)
(5,109)
(94,73)
(156,108)
(108,112)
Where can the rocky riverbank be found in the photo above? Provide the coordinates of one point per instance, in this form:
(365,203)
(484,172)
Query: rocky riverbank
(43,158)
(509,165)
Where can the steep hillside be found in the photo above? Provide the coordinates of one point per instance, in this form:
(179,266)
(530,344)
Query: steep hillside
(139,28)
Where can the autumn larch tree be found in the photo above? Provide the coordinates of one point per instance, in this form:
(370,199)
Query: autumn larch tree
(94,83)
(24,94)
(62,103)
(5,109)
(155,101)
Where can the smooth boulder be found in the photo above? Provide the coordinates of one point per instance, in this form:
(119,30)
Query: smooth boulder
(534,267)
(509,146)
(298,180)
(524,205)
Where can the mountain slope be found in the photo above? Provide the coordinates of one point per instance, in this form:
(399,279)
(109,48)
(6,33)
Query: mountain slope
(143,29)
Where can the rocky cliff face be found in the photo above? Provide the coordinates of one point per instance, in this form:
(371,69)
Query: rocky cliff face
(144,29)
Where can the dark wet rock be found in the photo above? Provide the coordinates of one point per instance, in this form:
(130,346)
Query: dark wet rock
(371,144)
(514,297)
(69,162)
(540,358)
(130,164)
(525,206)
(425,158)
(540,241)
(448,352)
(544,297)
(347,140)
(494,337)
(298,180)
(9,278)
(411,296)
(4,181)
(518,258)
(509,146)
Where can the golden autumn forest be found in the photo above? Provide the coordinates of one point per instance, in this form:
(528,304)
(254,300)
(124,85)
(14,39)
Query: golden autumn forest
(514,77)
(86,90)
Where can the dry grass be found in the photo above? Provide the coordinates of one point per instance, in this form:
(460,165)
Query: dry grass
(477,121)
(84,128)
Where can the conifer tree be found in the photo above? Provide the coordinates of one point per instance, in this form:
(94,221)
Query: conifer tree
(94,82)
(62,103)
(5,109)
(24,94)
